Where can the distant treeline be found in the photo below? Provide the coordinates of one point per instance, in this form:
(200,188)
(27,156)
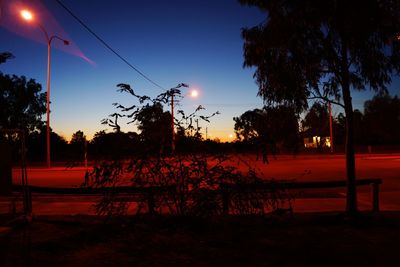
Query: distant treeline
(377,129)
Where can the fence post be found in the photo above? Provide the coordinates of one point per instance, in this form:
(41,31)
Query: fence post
(225,202)
(5,168)
(375,196)
(27,200)
(150,201)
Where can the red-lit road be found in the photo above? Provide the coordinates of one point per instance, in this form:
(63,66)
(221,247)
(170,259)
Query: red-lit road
(300,168)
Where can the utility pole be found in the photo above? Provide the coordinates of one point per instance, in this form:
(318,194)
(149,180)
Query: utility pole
(172,124)
(330,126)
(172,92)
(85,153)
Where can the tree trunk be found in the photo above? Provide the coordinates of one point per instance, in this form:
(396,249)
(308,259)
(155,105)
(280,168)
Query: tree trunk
(5,168)
(351,197)
(351,204)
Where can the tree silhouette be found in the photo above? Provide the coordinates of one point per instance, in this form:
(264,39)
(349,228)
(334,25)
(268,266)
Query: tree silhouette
(360,132)
(270,128)
(4,56)
(78,145)
(316,122)
(21,102)
(155,127)
(153,122)
(36,149)
(78,138)
(323,49)
(382,120)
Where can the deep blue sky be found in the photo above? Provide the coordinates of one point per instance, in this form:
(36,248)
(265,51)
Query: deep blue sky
(197,42)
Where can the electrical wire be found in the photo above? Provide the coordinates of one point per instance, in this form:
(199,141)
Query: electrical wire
(108,46)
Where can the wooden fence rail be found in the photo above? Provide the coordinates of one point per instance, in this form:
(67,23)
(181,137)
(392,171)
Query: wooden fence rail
(226,190)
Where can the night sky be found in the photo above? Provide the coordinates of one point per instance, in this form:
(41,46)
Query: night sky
(196,42)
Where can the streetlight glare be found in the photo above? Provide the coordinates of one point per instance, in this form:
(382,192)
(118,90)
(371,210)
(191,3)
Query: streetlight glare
(26,15)
(194,93)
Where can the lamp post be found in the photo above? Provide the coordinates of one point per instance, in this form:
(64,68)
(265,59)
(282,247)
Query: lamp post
(28,16)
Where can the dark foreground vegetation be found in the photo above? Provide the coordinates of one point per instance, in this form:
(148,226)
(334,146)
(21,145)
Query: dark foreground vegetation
(324,239)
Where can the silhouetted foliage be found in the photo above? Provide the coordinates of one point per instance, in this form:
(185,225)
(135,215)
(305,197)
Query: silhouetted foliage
(77,146)
(183,185)
(382,120)
(316,123)
(21,106)
(186,183)
(36,145)
(4,56)
(21,101)
(78,138)
(155,129)
(322,49)
(360,131)
(154,124)
(339,129)
(272,129)
(378,124)
(114,145)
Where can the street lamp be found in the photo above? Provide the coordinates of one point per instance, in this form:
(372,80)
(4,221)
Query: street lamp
(172,93)
(28,16)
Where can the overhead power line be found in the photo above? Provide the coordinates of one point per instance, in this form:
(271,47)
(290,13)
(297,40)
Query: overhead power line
(108,46)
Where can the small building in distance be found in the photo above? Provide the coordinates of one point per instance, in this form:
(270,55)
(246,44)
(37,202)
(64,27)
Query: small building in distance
(317,142)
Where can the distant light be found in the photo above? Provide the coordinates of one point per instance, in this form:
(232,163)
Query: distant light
(231,136)
(26,14)
(194,93)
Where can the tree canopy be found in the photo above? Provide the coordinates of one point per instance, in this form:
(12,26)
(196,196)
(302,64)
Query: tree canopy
(323,49)
(382,120)
(271,127)
(316,121)
(21,101)
(313,48)
(4,56)
(155,124)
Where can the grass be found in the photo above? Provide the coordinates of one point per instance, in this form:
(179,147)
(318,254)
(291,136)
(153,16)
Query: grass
(317,239)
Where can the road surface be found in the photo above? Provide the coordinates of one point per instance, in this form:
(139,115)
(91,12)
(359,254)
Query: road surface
(299,168)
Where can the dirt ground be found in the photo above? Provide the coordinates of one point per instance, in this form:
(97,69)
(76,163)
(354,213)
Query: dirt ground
(315,239)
